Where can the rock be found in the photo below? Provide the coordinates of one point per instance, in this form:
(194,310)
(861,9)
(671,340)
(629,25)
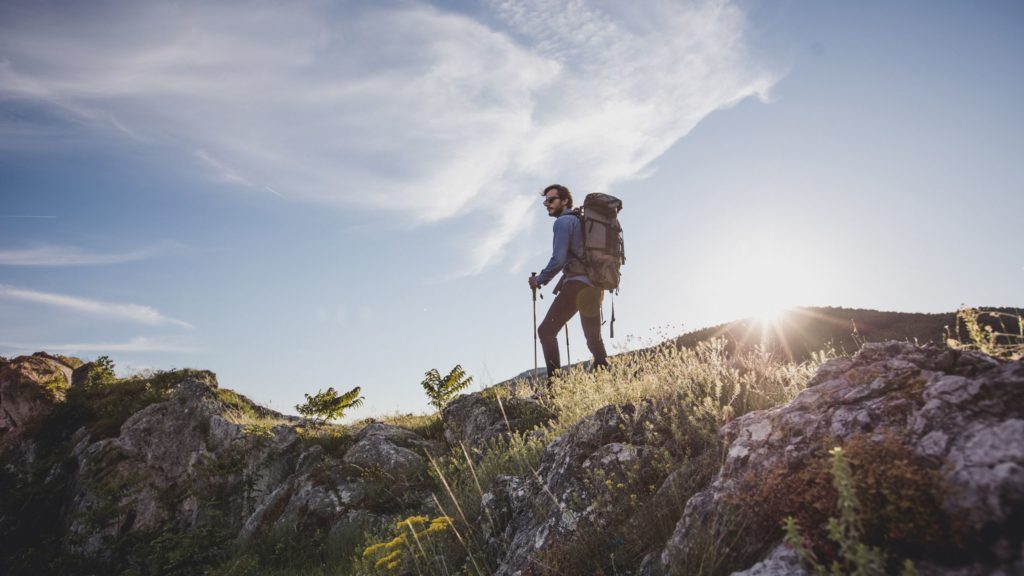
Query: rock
(380,451)
(782,561)
(959,408)
(172,464)
(30,386)
(475,419)
(581,477)
(383,470)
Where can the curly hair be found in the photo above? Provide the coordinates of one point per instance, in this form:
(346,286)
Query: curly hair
(563,194)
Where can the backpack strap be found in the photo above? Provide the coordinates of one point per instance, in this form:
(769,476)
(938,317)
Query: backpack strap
(578,265)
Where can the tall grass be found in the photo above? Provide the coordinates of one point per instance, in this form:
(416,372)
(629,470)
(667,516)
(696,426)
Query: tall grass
(707,375)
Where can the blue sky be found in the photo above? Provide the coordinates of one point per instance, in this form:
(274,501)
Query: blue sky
(346,194)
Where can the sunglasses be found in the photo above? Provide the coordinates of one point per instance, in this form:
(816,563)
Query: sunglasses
(548,200)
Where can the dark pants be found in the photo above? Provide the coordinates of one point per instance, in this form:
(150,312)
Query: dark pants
(574,296)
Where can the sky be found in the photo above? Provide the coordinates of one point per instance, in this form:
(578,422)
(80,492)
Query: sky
(340,194)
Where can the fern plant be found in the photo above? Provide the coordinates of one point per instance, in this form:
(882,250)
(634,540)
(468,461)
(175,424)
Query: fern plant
(441,390)
(327,405)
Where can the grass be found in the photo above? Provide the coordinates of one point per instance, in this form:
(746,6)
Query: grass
(693,391)
(990,332)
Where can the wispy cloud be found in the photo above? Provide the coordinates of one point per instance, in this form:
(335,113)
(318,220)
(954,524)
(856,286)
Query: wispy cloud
(61,255)
(141,344)
(405,107)
(110,310)
(224,172)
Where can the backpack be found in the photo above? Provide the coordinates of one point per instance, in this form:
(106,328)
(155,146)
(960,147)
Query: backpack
(604,249)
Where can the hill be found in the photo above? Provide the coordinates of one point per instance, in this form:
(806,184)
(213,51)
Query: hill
(799,332)
(675,461)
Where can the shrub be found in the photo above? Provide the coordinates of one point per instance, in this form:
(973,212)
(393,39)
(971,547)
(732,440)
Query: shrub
(898,496)
(327,405)
(855,556)
(442,390)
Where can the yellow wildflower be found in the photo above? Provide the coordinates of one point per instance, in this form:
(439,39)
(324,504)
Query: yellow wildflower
(393,557)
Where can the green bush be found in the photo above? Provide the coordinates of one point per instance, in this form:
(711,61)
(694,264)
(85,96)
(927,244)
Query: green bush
(327,405)
(441,390)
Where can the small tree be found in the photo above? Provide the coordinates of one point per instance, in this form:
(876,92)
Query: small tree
(441,390)
(327,405)
(101,373)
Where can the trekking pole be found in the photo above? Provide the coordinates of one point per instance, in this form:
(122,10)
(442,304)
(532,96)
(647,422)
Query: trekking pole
(568,355)
(533,287)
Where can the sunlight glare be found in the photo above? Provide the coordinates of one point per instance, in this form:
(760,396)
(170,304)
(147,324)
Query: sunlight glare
(757,284)
(770,314)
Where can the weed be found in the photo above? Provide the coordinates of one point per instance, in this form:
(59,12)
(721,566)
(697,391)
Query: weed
(896,495)
(855,557)
(420,544)
(989,331)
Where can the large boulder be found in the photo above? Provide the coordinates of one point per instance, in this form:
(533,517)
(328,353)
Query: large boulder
(394,453)
(30,386)
(475,419)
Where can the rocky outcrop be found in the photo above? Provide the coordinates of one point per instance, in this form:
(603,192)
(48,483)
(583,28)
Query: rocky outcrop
(383,472)
(962,411)
(168,463)
(30,386)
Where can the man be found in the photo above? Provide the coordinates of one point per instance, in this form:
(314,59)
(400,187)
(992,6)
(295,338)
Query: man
(574,291)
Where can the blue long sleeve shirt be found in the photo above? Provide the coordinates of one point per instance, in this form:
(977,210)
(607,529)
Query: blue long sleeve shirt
(567,245)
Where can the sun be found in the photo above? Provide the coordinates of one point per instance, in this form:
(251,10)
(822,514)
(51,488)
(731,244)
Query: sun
(763,289)
(771,314)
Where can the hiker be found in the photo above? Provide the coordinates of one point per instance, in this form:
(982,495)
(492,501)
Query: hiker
(574,291)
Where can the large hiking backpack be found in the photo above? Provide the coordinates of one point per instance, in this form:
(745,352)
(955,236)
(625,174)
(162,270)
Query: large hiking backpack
(605,251)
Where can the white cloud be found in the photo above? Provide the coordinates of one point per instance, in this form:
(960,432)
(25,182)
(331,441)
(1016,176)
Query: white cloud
(141,344)
(59,255)
(111,310)
(405,107)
